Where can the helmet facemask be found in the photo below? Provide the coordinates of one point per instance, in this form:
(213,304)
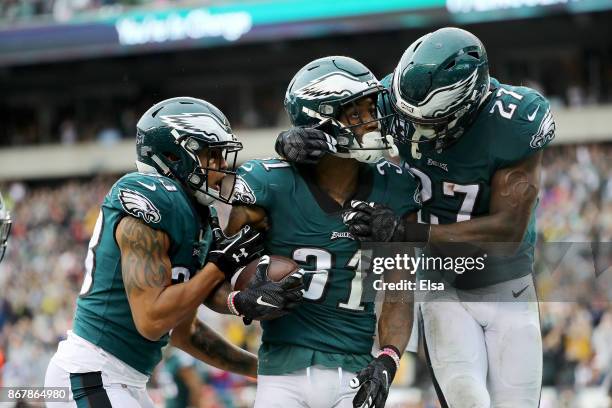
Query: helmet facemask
(370,147)
(200,162)
(322,90)
(440,131)
(212,162)
(438,134)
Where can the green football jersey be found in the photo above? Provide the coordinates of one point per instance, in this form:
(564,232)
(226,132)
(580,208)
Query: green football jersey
(333,326)
(103,315)
(513,124)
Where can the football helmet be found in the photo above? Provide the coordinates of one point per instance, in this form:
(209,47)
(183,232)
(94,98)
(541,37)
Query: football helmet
(172,133)
(319,92)
(438,85)
(5,227)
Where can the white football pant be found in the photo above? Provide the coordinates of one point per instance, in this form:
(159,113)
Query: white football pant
(99,380)
(312,387)
(484,346)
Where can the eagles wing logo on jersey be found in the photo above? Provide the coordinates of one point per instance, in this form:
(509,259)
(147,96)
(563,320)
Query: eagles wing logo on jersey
(139,206)
(196,123)
(333,84)
(545,133)
(242,192)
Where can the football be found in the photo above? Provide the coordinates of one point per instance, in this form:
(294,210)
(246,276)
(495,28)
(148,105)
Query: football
(280,268)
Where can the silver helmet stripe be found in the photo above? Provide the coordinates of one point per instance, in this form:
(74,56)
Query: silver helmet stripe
(441,100)
(335,83)
(200,124)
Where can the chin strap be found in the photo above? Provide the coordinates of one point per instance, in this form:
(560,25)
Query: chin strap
(394,152)
(374,147)
(414,148)
(165,169)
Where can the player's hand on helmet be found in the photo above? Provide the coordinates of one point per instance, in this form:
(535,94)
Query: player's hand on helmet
(304,145)
(265,298)
(371,222)
(373,382)
(234,252)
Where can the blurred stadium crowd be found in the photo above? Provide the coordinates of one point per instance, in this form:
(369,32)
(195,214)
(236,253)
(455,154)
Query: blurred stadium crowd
(567,58)
(42,273)
(113,120)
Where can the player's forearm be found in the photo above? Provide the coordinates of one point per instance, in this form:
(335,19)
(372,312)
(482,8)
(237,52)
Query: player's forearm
(207,345)
(397,315)
(175,302)
(489,228)
(395,324)
(514,191)
(242,215)
(217,300)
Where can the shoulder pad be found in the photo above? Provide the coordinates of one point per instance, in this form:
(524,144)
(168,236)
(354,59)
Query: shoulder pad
(526,125)
(403,193)
(153,199)
(538,123)
(259,181)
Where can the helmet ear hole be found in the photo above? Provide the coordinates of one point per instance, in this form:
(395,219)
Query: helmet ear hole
(450,65)
(474,54)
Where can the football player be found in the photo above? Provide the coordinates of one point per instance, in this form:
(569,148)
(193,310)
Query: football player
(320,354)
(5,227)
(181,380)
(152,260)
(476,145)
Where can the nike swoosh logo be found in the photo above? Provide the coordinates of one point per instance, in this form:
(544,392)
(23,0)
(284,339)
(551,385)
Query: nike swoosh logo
(260,301)
(517,294)
(151,187)
(532,116)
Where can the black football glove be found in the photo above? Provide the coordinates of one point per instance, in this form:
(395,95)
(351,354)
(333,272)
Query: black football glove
(232,253)
(378,223)
(265,298)
(374,381)
(372,222)
(304,145)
